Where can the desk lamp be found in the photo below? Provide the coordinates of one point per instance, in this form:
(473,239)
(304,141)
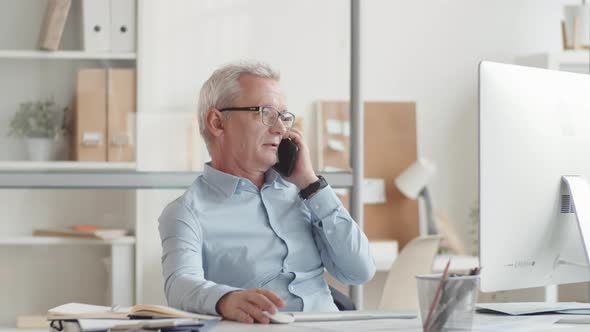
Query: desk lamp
(412,182)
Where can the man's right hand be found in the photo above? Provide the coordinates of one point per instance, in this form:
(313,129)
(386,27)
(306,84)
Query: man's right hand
(246,306)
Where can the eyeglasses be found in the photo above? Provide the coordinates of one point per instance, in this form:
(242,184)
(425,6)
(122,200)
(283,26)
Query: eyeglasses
(268,114)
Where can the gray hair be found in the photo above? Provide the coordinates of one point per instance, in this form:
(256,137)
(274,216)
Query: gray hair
(223,89)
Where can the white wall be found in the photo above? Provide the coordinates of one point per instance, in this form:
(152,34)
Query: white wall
(428,51)
(424,51)
(182,42)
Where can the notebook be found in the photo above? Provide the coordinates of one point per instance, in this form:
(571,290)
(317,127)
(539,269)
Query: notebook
(72,311)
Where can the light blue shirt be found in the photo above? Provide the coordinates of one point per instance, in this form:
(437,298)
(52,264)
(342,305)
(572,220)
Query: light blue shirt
(223,234)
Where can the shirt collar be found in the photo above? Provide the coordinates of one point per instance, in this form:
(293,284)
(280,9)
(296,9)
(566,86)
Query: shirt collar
(228,184)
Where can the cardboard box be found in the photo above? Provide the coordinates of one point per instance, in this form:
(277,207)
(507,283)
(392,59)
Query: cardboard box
(90,116)
(121,115)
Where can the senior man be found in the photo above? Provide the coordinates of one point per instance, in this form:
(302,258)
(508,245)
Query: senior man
(243,239)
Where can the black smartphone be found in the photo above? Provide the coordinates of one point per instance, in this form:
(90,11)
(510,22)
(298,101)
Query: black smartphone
(287,154)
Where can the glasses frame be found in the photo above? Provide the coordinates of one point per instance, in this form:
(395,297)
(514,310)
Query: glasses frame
(259,109)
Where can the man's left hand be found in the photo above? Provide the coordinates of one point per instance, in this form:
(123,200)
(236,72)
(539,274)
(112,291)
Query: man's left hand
(303,174)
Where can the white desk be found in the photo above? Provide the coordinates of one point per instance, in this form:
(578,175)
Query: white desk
(535,323)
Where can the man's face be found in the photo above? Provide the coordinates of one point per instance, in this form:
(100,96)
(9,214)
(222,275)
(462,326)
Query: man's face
(253,145)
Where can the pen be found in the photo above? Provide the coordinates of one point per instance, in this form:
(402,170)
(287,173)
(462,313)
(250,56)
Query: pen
(436,299)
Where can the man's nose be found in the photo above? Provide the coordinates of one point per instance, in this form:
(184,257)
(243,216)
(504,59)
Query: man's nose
(279,128)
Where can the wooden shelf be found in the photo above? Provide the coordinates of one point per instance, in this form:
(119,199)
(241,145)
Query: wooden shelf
(65,166)
(56,240)
(64,55)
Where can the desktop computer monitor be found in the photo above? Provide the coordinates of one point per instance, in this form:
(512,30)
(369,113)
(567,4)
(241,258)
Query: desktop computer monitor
(534,129)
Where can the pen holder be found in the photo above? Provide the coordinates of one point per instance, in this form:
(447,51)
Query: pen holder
(447,305)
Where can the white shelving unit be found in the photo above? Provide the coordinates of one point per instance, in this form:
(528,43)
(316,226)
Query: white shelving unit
(571,61)
(54,240)
(20,166)
(64,55)
(122,259)
(42,272)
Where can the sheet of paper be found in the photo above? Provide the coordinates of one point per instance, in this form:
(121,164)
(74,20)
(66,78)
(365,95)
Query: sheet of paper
(373,191)
(333,169)
(341,191)
(241,327)
(486,322)
(334,127)
(346,128)
(574,319)
(523,308)
(89,325)
(410,325)
(336,145)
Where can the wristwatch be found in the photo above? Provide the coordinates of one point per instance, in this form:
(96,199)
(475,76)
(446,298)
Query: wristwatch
(313,188)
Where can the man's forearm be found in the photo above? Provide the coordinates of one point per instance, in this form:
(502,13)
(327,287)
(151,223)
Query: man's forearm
(196,295)
(344,248)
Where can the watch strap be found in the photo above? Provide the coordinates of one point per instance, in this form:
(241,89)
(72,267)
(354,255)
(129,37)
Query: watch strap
(313,187)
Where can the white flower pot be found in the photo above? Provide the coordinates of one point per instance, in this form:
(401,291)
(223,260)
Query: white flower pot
(42,149)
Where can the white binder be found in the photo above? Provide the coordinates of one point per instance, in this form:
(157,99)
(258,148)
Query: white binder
(97,24)
(122,25)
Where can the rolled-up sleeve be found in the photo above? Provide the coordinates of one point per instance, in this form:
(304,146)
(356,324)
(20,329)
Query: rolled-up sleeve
(182,262)
(344,248)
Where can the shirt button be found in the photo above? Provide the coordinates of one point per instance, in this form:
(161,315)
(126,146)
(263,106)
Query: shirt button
(243,184)
(317,207)
(291,288)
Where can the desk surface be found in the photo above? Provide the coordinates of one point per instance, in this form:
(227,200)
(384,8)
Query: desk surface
(488,323)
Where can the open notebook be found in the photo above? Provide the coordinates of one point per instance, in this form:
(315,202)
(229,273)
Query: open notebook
(80,310)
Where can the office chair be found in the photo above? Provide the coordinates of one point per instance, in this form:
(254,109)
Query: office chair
(417,257)
(342,302)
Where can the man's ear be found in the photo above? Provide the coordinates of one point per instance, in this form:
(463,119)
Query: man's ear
(214,121)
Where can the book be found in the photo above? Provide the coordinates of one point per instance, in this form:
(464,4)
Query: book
(98,233)
(161,311)
(74,311)
(54,22)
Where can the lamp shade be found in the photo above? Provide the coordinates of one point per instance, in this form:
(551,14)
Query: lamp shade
(414,179)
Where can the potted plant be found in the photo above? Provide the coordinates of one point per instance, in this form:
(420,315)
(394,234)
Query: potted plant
(43,124)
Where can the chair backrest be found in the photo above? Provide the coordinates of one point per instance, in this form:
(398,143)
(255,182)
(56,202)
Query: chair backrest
(417,257)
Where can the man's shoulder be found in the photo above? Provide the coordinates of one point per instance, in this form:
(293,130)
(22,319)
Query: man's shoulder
(192,198)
